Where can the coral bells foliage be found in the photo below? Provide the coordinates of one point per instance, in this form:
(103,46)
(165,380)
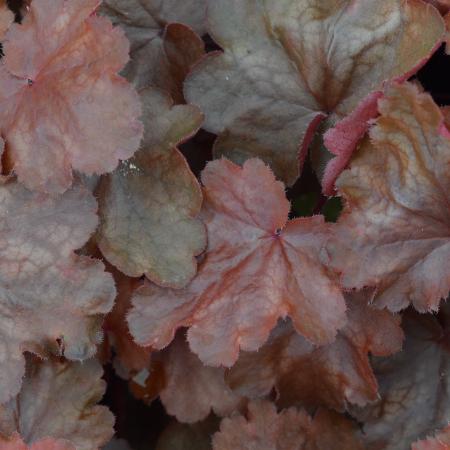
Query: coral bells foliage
(167,245)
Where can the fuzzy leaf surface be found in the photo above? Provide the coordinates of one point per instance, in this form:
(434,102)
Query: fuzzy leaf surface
(258,267)
(51,300)
(193,389)
(291,429)
(58,400)
(332,375)
(62,104)
(288,64)
(394,233)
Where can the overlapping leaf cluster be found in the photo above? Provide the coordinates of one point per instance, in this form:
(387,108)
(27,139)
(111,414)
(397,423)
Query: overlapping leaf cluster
(256,329)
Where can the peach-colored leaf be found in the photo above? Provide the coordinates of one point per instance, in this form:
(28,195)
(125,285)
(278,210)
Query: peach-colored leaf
(163,39)
(62,105)
(265,429)
(51,300)
(149,206)
(58,400)
(258,267)
(414,387)
(394,232)
(331,375)
(441,441)
(15,442)
(193,389)
(288,63)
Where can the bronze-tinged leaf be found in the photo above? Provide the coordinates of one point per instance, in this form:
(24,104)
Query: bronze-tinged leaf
(51,300)
(149,205)
(287,64)
(394,233)
(258,267)
(62,104)
(414,387)
(129,358)
(332,375)
(265,429)
(58,401)
(163,39)
(193,390)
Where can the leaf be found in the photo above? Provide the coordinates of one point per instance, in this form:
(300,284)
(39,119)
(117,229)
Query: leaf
(129,358)
(62,106)
(288,64)
(395,230)
(51,300)
(149,206)
(257,268)
(193,389)
(6,18)
(58,400)
(16,443)
(332,375)
(414,388)
(439,442)
(442,5)
(291,429)
(162,52)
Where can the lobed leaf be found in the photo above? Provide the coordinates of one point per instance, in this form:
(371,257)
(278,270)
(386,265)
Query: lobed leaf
(394,233)
(258,268)
(291,429)
(193,389)
(332,375)
(58,400)
(164,43)
(149,206)
(51,300)
(289,64)
(62,106)
(414,388)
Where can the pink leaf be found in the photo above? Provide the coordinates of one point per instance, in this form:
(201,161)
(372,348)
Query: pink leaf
(52,301)
(258,267)
(62,105)
(291,429)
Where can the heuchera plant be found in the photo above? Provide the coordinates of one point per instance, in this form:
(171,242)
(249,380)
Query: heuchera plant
(224,225)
